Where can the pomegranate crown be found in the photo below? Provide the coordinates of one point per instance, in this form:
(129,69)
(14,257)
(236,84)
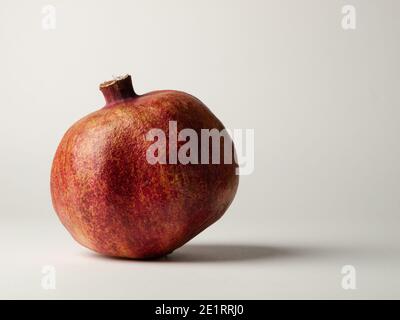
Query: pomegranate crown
(120,88)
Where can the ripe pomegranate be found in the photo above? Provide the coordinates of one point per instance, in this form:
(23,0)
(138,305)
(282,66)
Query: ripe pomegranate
(108,195)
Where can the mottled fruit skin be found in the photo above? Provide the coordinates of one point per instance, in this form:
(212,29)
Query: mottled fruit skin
(114,202)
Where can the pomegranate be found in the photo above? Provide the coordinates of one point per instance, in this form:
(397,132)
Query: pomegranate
(113,200)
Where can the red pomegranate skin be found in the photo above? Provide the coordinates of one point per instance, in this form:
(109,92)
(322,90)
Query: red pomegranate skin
(112,200)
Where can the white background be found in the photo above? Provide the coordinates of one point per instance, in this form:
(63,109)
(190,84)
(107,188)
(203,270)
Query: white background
(324,103)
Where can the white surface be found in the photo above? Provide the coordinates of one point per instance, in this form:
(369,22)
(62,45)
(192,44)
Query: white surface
(231,260)
(324,104)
